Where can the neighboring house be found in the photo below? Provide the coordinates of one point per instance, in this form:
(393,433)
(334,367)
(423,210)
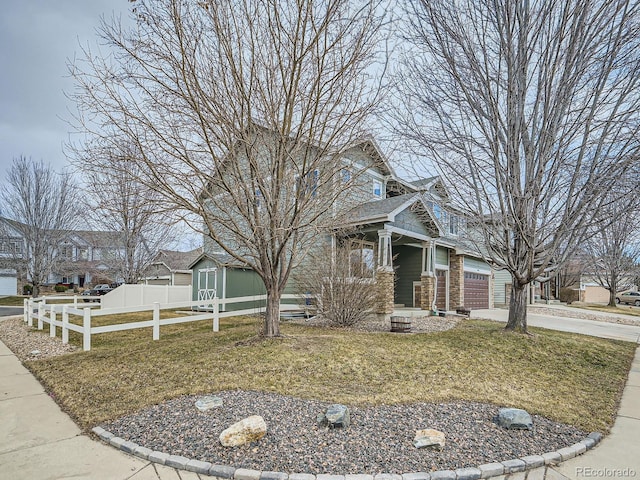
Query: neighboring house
(82,257)
(87,257)
(8,282)
(403,235)
(171,268)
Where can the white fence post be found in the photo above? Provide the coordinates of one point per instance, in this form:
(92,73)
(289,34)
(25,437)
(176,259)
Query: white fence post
(52,321)
(40,314)
(75,301)
(216,314)
(24,311)
(156,321)
(65,325)
(86,330)
(30,312)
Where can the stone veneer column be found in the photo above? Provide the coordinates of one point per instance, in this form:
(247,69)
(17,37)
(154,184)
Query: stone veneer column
(426,291)
(385,279)
(456,280)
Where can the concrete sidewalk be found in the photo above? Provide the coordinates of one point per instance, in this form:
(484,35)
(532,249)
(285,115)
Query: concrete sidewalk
(616,331)
(40,442)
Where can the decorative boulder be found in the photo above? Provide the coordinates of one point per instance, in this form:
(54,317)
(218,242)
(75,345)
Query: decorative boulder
(429,438)
(336,416)
(515,418)
(207,403)
(248,430)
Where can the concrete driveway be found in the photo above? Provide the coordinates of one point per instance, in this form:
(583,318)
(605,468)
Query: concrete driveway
(559,321)
(10,311)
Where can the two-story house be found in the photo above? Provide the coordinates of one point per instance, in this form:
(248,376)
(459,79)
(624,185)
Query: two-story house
(81,257)
(404,234)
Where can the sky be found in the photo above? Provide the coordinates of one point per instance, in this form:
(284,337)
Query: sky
(38,38)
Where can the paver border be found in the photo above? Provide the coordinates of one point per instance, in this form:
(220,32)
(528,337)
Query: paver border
(228,472)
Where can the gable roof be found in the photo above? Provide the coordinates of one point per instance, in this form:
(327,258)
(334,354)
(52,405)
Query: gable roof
(93,238)
(176,260)
(381,210)
(386,210)
(219,258)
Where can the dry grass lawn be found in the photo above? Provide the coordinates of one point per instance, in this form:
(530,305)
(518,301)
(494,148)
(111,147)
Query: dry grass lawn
(566,377)
(12,301)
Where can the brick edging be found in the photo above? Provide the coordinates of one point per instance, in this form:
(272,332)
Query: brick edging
(226,472)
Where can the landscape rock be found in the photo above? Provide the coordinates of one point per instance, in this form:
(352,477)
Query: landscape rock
(321,420)
(248,430)
(429,438)
(207,403)
(515,418)
(337,416)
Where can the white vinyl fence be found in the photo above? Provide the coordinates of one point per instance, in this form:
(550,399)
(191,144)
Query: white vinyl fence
(134,295)
(57,315)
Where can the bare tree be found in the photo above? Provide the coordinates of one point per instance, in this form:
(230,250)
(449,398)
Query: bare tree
(240,110)
(42,205)
(529,110)
(614,249)
(124,205)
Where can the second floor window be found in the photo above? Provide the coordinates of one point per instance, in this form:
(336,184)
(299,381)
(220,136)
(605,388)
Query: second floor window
(308,183)
(66,252)
(454,223)
(377,188)
(10,246)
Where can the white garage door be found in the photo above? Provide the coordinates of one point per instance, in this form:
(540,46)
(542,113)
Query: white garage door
(8,286)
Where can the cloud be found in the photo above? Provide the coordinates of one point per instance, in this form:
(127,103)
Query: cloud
(38,39)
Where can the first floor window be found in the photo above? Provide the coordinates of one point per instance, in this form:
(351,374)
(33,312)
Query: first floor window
(362,261)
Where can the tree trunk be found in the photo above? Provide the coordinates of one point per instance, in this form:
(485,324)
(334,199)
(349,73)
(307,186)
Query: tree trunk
(612,294)
(518,308)
(272,314)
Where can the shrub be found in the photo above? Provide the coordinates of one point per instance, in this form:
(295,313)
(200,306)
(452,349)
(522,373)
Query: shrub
(341,296)
(60,288)
(27,289)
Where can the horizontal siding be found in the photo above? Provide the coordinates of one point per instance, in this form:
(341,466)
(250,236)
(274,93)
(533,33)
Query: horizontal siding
(442,256)
(409,270)
(472,264)
(502,277)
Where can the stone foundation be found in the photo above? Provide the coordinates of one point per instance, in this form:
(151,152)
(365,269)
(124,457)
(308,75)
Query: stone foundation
(426,291)
(385,279)
(456,280)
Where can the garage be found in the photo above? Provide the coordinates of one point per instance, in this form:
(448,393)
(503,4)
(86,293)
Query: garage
(8,282)
(476,290)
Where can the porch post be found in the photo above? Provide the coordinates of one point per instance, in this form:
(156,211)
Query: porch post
(427,278)
(385,277)
(456,279)
(385,256)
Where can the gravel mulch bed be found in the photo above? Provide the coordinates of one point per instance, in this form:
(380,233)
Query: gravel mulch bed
(379,439)
(419,324)
(25,341)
